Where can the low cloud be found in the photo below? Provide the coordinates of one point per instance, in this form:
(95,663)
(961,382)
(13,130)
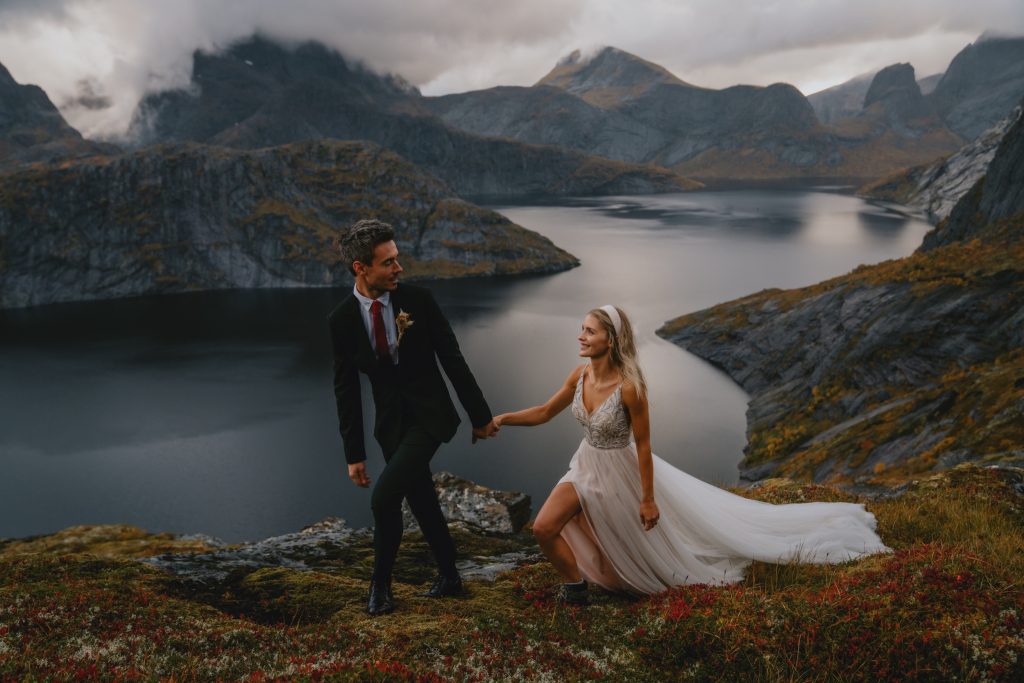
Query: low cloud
(96,58)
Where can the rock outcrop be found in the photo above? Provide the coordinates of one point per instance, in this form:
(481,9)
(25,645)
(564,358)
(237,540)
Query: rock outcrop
(491,511)
(987,212)
(895,92)
(493,518)
(188,217)
(258,93)
(895,369)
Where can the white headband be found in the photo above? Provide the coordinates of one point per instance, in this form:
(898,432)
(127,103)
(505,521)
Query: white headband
(614,315)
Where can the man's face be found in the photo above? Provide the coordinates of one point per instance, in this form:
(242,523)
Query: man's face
(381,275)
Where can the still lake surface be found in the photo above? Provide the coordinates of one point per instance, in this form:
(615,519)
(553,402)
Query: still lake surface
(214,412)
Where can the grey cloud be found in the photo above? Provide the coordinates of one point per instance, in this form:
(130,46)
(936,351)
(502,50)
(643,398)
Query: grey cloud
(129,47)
(89,96)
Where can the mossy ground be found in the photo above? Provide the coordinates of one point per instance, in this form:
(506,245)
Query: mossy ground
(946,605)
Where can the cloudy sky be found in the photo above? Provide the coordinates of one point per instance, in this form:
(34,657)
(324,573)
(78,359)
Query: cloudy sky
(95,58)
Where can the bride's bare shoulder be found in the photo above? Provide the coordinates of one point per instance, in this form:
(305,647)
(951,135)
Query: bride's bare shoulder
(631,396)
(574,376)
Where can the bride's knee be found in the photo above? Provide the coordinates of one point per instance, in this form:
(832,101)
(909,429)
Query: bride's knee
(545,531)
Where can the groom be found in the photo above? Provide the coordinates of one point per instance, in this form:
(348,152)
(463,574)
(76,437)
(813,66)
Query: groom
(395,334)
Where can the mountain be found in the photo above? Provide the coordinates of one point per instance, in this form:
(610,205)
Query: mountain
(259,93)
(609,78)
(928,83)
(547,115)
(894,92)
(892,370)
(841,101)
(934,189)
(186,217)
(31,128)
(691,127)
(617,105)
(982,85)
(896,128)
(847,98)
(232,87)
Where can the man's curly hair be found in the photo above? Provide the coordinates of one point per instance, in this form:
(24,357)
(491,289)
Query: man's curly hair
(361,239)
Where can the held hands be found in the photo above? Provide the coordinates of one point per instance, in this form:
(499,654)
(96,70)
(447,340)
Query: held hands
(487,431)
(649,514)
(357,473)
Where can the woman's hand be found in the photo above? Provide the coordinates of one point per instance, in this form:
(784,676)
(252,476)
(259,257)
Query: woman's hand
(649,514)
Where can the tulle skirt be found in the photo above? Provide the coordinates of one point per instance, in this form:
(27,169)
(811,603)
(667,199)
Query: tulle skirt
(704,535)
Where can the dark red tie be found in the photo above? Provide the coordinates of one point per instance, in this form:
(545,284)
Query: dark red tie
(380,336)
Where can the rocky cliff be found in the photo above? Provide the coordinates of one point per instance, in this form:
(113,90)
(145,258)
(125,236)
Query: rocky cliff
(894,92)
(31,128)
(895,369)
(258,93)
(187,217)
(934,189)
(983,83)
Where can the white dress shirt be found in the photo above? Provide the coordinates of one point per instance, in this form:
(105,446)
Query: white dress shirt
(390,328)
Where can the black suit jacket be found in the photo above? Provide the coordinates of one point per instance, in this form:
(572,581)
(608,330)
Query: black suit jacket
(412,392)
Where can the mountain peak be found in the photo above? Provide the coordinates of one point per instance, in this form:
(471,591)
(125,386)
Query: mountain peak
(608,76)
(992,35)
(892,79)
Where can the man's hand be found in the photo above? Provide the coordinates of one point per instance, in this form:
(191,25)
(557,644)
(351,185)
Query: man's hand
(357,473)
(485,432)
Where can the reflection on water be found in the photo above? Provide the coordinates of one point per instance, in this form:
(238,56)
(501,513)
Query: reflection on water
(214,412)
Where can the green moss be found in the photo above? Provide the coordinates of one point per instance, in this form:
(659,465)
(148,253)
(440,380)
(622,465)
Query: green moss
(949,599)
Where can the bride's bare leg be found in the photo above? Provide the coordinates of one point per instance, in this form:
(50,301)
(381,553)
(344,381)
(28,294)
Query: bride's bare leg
(561,506)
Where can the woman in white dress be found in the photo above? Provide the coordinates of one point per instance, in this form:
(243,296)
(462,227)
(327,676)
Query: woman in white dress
(625,519)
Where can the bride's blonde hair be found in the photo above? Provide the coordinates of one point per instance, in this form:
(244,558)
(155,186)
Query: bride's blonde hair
(623,349)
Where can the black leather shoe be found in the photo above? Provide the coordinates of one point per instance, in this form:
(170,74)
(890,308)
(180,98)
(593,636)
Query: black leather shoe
(445,587)
(381,599)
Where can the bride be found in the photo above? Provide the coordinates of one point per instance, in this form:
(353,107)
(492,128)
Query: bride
(625,519)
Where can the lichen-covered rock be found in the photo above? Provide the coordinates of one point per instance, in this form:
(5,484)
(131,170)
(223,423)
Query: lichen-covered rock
(502,512)
(187,217)
(988,210)
(484,521)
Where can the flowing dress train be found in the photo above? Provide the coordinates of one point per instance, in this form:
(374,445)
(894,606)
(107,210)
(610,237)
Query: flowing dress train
(704,535)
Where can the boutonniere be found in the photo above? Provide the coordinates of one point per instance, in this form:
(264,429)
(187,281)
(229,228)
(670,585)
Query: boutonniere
(403,321)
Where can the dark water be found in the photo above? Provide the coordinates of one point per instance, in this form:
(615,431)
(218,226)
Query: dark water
(214,412)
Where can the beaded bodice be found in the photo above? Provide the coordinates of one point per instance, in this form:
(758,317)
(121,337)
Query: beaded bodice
(608,426)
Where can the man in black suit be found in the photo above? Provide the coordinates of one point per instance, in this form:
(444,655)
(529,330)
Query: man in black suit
(395,335)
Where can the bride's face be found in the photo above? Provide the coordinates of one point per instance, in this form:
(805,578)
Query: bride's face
(593,338)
